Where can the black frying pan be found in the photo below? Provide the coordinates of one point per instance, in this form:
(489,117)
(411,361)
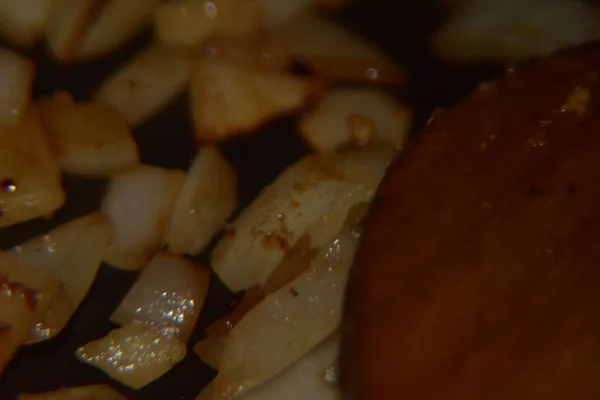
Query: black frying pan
(401,28)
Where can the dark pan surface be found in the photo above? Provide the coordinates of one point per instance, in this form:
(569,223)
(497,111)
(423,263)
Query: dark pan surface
(399,27)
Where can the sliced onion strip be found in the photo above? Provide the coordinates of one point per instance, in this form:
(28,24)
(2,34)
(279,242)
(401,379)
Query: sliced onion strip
(168,295)
(134,355)
(207,200)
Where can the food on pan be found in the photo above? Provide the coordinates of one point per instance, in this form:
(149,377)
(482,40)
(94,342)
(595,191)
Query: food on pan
(240,65)
(477,275)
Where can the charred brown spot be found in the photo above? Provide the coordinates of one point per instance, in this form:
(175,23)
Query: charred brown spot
(300,67)
(30,296)
(570,188)
(533,191)
(275,241)
(294,292)
(4,328)
(8,185)
(295,262)
(362,130)
(132,84)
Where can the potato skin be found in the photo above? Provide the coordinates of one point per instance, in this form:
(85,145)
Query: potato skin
(479,274)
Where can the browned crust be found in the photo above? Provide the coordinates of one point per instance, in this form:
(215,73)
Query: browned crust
(479,274)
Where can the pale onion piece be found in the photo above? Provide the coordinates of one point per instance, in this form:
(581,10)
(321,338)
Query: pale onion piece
(93,392)
(289,323)
(146,84)
(73,253)
(16,78)
(30,185)
(22,21)
(489,30)
(16,319)
(277,12)
(55,318)
(356,117)
(229,99)
(210,350)
(92,138)
(67,24)
(186,23)
(207,200)
(139,203)
(134,355)
(333,52)
(117,22)
(168,295)
(304,379)
(311,198)
(36,288)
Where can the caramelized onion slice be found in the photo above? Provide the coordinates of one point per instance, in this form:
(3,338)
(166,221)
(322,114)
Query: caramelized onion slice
(30,186)
(139,203)
(228,99)
(356,117)
(16,320)
(307,378)
(35,287)
(311,198)
(22,21)
(186,23)
(207,200)
(146,83)
(67,24)
(25,294)
(94,392)
(72,253)
(117,22)
(134,355)
(287,324)
(92,138)
(487,30)
(16,78)
(168,295)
